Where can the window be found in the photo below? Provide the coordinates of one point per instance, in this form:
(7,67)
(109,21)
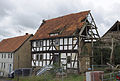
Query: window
(56,42)
(68,59)
(4,65)
(61,41)
(41,43)
(65,41)
(47,42)
(34,44)
(10,67)
(54,34)
(41,57)
(1,65)
(11,55)
(37,57)
(56,59)
(8,55)
(44,43)
(37,43)
(4,55)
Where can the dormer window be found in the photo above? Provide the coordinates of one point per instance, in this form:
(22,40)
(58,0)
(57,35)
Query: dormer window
(54,34)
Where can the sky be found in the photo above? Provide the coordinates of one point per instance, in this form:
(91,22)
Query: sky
(18,17)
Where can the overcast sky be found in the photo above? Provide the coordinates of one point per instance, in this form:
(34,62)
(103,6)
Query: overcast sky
(20,16)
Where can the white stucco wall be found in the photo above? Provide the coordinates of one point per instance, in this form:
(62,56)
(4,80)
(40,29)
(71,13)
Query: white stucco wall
(6,63)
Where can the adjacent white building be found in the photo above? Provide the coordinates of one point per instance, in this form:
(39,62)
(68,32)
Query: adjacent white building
(14,54)
(6,63)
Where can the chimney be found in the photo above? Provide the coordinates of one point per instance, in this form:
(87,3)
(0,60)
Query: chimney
(26,33)
(43,21)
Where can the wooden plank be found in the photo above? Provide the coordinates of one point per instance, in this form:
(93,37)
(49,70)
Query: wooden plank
(67,43)
(73,68)
(63,43)
(63,58)
(66,61)
(46,59)
(74,60)
(51,59)
(57,51)
(59,59)
(71,61)
(42,59)
(55,38)
(75,45)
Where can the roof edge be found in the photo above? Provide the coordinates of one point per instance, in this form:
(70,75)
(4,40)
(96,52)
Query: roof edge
(31,35)
(111,28)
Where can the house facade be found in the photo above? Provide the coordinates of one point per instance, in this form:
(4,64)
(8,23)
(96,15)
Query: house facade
(6,63)
(65,41)
(15,53)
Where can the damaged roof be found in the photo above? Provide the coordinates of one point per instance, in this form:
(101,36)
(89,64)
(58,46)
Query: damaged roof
(12,44)
(61,26)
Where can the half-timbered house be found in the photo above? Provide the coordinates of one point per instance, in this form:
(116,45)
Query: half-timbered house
(66,40)
(15,53)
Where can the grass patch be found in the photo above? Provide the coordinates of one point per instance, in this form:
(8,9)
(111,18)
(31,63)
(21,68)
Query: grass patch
(48,77)
(74,78)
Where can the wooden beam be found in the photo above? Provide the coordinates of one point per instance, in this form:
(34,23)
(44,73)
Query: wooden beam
(56,51)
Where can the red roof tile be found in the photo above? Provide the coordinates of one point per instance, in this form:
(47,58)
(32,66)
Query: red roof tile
(12,44)
(65,25)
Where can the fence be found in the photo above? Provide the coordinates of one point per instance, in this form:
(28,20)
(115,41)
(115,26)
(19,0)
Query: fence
(109,76)
(109,73)
(99,67)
